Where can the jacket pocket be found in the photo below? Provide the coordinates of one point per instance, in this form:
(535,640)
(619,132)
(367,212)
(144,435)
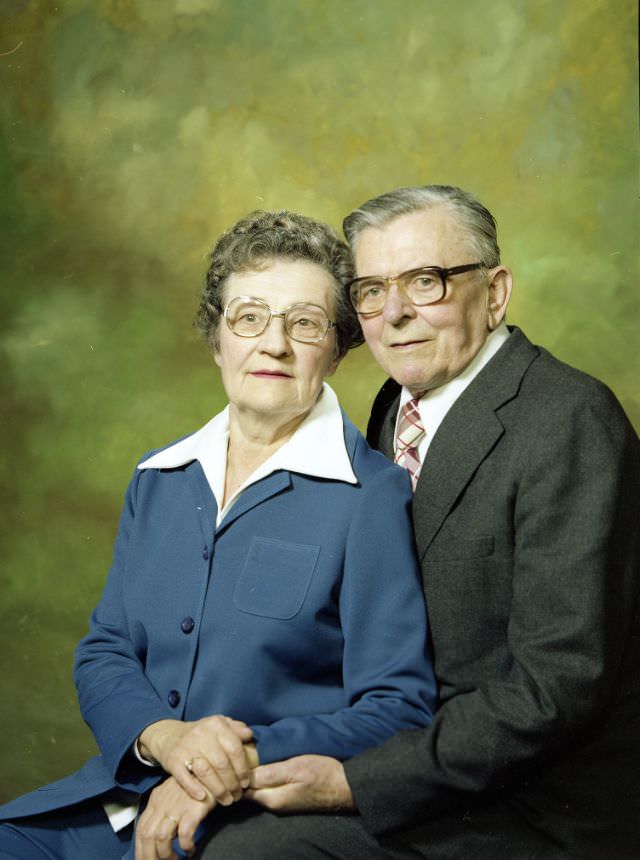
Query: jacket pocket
(275,578)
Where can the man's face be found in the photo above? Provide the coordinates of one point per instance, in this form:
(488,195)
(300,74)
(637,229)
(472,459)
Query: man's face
(424,347)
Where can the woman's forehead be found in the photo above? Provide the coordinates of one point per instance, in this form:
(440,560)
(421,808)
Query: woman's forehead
(283,282)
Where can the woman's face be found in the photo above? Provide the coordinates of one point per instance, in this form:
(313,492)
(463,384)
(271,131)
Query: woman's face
(272,376)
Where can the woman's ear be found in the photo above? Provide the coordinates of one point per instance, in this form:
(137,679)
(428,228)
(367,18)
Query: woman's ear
(334,364)
(214,345)
(498,295)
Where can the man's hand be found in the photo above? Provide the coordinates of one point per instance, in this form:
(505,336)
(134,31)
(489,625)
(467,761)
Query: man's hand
(208,758)
(170,812)
(306,783)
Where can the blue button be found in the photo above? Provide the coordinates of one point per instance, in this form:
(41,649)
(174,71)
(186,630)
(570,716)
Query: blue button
(173,698)
(205,553)
(187,624)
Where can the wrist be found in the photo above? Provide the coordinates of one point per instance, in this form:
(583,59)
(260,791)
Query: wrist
(152,740)
(147,759)
(344,800)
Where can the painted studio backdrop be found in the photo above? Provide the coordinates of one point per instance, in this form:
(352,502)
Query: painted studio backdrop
(134,131)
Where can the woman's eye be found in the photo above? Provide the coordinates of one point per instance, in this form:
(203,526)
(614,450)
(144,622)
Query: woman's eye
(372,292)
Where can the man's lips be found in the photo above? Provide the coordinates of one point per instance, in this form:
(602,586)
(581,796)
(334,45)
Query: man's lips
(400,345)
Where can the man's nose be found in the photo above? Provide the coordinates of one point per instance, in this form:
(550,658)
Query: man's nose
(397,305)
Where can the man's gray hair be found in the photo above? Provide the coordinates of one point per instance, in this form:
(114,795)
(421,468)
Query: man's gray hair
(474,218)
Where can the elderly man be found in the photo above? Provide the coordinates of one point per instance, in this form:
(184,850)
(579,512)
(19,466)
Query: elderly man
(526,476)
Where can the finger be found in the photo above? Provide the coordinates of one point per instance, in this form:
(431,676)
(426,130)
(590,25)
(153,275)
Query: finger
(274,799)
(224,742)
(187,779)
(164,850)
(270,775)
(218,777)
(186,831)
(236,752)
(241,729)
(165,831)
(151,835)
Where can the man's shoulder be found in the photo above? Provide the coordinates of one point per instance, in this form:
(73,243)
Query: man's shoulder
(537,389)
(556,382)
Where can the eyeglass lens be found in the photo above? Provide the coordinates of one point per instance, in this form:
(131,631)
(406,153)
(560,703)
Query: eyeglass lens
(422,286)
(302,322)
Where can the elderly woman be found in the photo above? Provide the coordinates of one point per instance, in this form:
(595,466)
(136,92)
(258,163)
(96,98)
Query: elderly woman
(264,600)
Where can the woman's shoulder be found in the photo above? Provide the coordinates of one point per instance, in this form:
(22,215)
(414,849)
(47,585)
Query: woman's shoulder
(369,464)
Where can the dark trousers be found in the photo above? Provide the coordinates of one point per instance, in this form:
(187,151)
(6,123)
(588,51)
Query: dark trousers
(247,832)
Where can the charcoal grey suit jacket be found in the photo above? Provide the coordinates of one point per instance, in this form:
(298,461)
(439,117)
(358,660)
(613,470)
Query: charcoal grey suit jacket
(527,527)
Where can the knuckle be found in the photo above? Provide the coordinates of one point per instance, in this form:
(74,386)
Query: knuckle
(220,763)
(201,766)
(143,829)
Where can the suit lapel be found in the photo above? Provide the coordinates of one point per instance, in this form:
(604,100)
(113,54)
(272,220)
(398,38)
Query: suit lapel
(381,426)
(463,440)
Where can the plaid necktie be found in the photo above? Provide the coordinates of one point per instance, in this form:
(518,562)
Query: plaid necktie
(410,432)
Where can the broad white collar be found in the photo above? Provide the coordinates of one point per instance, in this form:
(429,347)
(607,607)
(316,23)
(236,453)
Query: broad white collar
(317,448)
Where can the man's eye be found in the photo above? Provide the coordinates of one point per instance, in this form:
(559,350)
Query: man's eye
(423,282)
(372,291)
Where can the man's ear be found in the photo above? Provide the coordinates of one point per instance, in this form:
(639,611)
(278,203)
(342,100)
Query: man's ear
(498,295)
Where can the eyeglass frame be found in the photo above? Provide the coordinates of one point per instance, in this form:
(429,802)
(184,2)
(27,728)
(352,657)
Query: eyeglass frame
(442,273)
(281,314)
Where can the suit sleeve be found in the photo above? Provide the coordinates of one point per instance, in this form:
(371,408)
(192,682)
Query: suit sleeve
(388,677)
(116,699)
(574,595)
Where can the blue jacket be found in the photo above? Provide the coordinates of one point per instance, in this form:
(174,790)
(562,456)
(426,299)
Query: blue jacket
(302,614)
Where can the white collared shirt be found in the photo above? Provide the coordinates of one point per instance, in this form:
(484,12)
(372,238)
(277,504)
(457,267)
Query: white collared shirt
(316,448)
(435,403)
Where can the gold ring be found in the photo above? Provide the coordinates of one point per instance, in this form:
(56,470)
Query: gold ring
(189,765)
(171,818)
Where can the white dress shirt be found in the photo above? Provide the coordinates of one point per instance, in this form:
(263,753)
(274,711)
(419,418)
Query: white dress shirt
(435,403)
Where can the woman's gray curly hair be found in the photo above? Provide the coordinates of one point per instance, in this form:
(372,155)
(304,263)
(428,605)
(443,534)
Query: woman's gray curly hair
(262,237)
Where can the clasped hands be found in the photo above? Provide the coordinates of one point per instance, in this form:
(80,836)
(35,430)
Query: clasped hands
(208,761)
(223,767)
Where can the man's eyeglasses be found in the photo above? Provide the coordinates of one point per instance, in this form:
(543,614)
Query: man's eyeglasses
(249,317)
(424,286)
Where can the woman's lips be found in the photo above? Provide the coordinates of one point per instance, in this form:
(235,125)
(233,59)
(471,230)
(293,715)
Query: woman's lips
(271,374)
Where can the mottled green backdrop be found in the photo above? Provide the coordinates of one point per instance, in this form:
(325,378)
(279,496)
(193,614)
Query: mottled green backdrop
(133,131)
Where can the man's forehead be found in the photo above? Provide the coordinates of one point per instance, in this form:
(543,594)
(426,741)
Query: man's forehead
(428,237)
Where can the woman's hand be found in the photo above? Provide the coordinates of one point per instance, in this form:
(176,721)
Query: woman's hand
(208,758)
(169,812)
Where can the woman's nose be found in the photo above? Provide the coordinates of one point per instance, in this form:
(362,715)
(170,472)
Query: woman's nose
(274,339)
